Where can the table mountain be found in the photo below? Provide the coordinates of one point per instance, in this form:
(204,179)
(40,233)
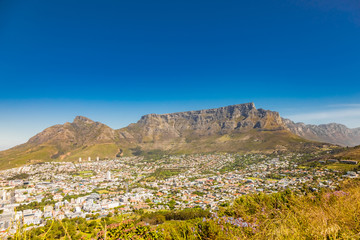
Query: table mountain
(236,128)
(219,121)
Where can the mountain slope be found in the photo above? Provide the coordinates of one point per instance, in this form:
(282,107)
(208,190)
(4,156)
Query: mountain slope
(236,128)
(352,153)
(233,128)
(60,142)
(224,120)
(332,133)
(81,131)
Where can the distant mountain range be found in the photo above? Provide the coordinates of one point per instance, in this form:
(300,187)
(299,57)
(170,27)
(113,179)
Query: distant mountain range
(236,128)
(331,133)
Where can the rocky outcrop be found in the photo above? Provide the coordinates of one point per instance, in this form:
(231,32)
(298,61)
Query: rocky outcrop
(224,120)
(234,119)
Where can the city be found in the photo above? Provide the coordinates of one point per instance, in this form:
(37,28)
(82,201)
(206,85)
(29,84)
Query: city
(34,194)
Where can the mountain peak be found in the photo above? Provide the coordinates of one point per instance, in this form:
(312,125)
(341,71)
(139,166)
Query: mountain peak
(250,105)
(332,132)
(233,128)
(82,119)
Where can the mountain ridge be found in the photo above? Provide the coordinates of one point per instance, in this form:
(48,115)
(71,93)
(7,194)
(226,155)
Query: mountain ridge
(234,128)
(334,133)
(208,121)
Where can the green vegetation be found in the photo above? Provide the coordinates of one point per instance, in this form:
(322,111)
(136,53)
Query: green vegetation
(171,204)
(274,176)
(240,162)
(249,142)
(22,155)
(153,155)
(128,230)
(161,173)
(105,150)
(207,172)
(102,191)
(84,174)
(348,153)
(36,205)
(77,228)
(26,154)
(199,193)
(69,197)
(19,176)
(342,167)
(159,217)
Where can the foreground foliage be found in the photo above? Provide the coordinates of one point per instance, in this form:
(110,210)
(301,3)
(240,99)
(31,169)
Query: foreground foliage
(285,215)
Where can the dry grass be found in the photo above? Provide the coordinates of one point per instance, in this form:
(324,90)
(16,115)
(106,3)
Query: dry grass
(327,215)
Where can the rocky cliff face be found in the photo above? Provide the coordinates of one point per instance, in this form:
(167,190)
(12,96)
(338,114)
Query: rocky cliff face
(236,128)
(236,118)
(332,133)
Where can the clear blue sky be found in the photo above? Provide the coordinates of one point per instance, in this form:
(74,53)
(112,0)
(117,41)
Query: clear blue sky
(114,61)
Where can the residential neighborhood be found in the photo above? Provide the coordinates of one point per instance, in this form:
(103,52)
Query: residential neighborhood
(34,194)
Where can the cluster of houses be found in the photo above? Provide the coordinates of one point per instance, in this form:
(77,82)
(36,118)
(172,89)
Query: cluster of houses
(101,187)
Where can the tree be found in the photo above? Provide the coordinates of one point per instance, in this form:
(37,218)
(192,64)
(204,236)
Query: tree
(171,204)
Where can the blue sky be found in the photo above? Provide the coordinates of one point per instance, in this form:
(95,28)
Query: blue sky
(114,61)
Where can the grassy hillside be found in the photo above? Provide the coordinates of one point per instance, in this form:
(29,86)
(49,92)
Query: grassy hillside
(23,154)
(105,150)
(284,215)
(350,153)
(251,141)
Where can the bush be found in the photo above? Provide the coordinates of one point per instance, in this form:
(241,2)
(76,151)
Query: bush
(128,230)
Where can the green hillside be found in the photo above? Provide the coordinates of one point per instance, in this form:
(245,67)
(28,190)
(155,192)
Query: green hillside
(349,153)
(252,141)
(23,155)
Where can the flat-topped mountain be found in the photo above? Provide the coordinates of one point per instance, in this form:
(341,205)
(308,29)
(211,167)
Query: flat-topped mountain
(236,119)
(235,128)
(225,120)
